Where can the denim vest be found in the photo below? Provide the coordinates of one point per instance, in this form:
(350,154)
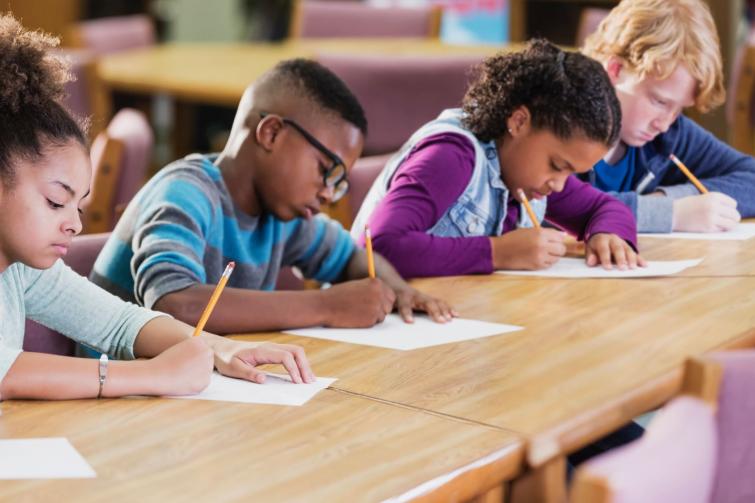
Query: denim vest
(481,208)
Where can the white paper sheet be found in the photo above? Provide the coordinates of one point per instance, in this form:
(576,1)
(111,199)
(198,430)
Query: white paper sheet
(42,458)
(576,268)
(393,333)
(277,390)
(741,232)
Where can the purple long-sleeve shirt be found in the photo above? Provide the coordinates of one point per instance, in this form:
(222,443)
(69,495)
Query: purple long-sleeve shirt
(434,176)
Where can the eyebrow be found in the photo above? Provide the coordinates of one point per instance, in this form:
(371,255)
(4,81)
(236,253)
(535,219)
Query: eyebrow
(568,165)
(69,189)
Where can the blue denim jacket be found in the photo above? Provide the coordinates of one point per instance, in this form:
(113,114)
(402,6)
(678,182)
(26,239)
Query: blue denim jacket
(481,208)
(718,166)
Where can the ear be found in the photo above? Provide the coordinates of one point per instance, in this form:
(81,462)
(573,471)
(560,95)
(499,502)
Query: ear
(614,66)
(519,122)
(267,131)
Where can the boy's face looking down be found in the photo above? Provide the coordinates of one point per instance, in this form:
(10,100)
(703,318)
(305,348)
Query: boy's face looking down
(288,175)
(649,105)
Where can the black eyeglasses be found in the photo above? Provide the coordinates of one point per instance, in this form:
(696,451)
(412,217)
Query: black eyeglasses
(335,176)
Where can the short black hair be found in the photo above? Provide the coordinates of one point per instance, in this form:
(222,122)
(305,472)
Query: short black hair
(566,93)
(33,80)
(323,87)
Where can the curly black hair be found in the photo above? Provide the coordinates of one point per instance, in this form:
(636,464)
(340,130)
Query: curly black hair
(33,81)
(323,87)
(566,93)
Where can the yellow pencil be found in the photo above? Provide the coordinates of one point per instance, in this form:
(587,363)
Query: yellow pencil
(686,171)
(370,256)
(214,298)
(527,207)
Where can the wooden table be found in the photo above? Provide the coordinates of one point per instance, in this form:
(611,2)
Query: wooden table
(451,421)
(594,353)
(722,258)
(218,73)
(337,447)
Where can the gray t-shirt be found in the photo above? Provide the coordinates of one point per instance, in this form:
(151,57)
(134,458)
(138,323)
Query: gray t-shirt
(64,301)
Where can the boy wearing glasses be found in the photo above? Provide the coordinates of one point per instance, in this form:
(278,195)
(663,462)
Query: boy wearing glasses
(297,131)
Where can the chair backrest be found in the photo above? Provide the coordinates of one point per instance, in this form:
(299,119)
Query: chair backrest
(323,19)
(81,257)
(589,19)
(79,98)
(120,160)
(674,461)
(399,94)
(740,107)
(735,470)
(114,34)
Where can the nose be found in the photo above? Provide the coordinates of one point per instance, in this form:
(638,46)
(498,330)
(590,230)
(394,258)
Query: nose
(664,121)
(326,193)
(73,225)
(557,184)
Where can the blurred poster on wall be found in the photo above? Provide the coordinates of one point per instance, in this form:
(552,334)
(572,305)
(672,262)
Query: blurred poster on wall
(466,21)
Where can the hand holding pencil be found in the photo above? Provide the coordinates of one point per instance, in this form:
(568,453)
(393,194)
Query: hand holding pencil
(708,212)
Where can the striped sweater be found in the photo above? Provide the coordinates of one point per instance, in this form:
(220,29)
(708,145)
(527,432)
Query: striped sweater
(183,227)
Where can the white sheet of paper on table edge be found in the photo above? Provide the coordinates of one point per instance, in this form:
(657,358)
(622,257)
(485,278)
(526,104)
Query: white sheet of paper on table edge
(83,471)
(323,382)
(707,236)
(501,328)
(679,266)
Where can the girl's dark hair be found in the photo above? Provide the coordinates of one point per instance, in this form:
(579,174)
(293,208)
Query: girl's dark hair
(566,93)
(32,85)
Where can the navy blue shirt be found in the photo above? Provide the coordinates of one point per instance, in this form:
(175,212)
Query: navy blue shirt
(617,177)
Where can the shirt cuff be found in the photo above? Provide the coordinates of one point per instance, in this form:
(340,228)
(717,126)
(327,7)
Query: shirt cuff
(7,359)
(679,191)
(655,214)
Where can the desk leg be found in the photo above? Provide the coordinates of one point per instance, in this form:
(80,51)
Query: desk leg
(183,129)
(495,495)
(546,484)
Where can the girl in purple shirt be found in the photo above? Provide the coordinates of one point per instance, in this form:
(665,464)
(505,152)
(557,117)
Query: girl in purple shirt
(540,116)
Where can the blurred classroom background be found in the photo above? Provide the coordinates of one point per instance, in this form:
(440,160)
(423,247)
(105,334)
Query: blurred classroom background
(175,69)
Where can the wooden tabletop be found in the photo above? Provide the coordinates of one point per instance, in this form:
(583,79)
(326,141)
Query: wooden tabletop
(219,73)
(337,447)
(722,258)
(593,354)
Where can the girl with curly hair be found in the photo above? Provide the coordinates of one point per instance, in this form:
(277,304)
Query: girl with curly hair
(45,173)
(447,203)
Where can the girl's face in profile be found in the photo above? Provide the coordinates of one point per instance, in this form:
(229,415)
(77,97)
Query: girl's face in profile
(40,208)
(539,162)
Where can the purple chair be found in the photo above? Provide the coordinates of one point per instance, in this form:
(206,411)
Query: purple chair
(361,178)
(114,34)
(740,103)
(78,98)
(589,20)
(701,448)
(322,19)
(401,93)
(120,158)
(81,257)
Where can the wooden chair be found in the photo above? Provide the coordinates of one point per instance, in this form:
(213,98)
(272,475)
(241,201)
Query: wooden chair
(699,449)
(120,158)
(361,177)
(330,19)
